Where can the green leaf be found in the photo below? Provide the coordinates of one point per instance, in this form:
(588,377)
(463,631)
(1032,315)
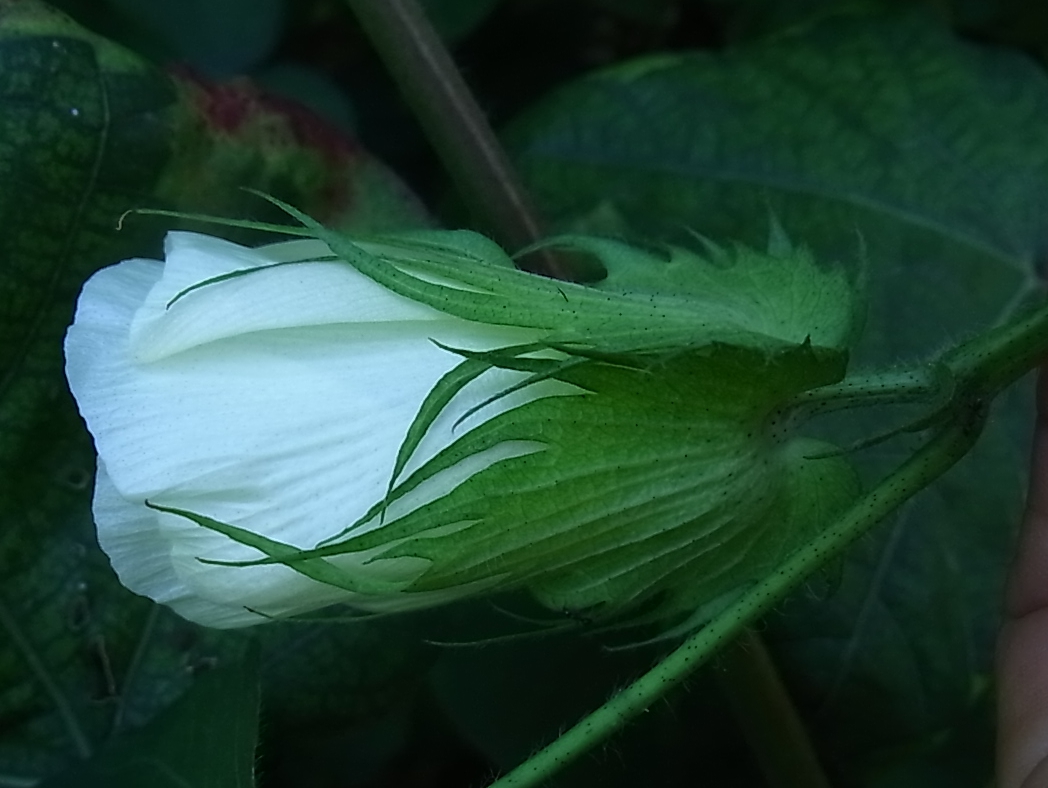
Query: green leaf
(948,208)
(928,149)
(206,739)
(778,293)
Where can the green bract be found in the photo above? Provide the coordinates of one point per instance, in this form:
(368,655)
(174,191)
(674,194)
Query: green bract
(668,473)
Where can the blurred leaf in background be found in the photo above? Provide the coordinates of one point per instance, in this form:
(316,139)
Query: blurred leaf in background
(206,739)
(87,131)
(456,19)
(218,38)
(878,137)
(1020,24)
(506,698)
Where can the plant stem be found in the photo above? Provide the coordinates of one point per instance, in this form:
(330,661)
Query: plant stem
(432,86)
(995,359)
(133,667)
(896,387)
(764,711)
(981,366)
(927,464)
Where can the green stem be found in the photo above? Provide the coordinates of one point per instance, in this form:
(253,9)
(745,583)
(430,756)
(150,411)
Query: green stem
(432,86)
(896,387)
(981,366)
(927,464)
(978,369)
(995,359)
(764,711)
(459,132)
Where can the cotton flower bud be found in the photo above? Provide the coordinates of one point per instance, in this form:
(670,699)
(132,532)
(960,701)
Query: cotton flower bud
(396,422)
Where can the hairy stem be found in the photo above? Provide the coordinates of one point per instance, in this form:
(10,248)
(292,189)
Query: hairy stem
(432,86)
(995,359)
(927,382)
(960,384)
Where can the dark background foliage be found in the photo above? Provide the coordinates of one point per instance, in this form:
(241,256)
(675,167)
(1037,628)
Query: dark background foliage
(905,137)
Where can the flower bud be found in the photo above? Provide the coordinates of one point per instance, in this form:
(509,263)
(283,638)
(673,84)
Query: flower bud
(404,421)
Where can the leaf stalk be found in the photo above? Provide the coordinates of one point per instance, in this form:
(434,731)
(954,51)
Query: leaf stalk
(458,130)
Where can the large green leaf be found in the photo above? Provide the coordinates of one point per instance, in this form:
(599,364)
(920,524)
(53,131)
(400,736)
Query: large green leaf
(87,131)
(880,138)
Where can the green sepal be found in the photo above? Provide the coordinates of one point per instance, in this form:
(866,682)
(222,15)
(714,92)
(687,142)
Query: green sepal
(672,486)
(214,280)
(742,297)
(627,498)
(649,302)
(432,406)
(282,553)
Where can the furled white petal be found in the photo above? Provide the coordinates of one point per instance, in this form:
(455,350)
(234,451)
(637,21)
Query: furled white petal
(141,555)
(155,555)
(282,297)
(288,428)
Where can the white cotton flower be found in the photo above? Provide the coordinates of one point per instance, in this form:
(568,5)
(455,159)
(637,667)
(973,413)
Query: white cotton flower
(411,419)
(274,401)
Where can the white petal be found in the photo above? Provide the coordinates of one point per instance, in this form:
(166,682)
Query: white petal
(287,296)
(155,555)
(140,555)
(288,433)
